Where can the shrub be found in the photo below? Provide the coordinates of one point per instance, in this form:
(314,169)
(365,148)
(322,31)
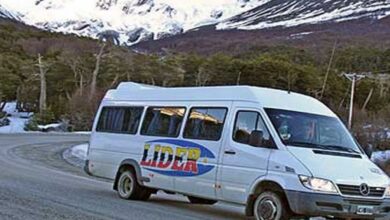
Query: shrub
(44,118)
(3,114)
(31,125)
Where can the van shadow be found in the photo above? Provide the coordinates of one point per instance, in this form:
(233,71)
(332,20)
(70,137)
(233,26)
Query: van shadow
(217,211)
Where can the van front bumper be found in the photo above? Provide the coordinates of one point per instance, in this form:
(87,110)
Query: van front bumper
(315,204)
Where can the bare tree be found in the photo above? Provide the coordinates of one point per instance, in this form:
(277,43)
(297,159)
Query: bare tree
(202,77)
(75,63)
(238,78)
(328,70)
(96,71)
(43,69)
(368,99)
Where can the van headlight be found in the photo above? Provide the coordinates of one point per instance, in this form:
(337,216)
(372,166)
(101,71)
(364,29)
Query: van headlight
(387,194)
(317,184)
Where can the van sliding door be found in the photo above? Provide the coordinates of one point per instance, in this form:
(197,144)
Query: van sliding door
(202,137)
(245,154)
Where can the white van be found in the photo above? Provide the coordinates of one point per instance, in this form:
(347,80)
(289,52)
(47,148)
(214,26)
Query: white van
(280,154)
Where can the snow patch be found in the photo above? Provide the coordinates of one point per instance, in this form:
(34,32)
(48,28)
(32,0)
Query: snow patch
(80,151)
(17,119)
(16,125)
(76,155)
(299,35)
(10,108)
(49,126)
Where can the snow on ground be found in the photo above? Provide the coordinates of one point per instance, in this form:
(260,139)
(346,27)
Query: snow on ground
(80,151)
(16,125)
(82,132)
(10,108)
(76,155)
(17,119)
(45,127)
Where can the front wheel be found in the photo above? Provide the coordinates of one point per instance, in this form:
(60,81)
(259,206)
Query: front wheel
(128,187)
(271,206)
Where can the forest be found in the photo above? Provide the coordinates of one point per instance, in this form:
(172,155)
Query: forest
(75,73)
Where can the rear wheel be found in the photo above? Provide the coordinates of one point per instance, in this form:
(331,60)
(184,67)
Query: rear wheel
(128,187)
(196,200)
(271,206)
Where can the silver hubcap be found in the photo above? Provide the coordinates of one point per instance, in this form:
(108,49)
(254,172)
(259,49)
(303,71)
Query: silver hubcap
(267,210)
(126,186)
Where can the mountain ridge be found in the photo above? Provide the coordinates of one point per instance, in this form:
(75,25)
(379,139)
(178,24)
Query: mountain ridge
(294,12)
(4,13)
(134,20)
(137,21)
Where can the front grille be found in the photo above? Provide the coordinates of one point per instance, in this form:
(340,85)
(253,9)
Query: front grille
(349,190)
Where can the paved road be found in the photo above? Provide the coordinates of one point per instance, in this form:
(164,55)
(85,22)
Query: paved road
(35,183)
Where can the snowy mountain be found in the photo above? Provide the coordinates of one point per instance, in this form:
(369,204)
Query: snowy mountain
(4,13)
(134,21)
(296,12)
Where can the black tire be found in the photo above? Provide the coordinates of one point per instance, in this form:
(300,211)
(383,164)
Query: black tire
(129,189)
(196,200)
(271,206)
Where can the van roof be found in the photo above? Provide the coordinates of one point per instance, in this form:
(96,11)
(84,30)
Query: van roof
(266,97)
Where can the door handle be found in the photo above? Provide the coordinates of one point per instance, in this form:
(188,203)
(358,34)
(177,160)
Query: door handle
(231,152)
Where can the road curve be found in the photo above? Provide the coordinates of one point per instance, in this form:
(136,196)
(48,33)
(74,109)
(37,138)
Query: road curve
(35,183)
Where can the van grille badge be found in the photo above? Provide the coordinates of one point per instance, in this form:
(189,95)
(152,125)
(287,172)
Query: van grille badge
(364,189)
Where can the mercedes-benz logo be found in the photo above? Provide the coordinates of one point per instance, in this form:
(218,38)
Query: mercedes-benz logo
(364,189)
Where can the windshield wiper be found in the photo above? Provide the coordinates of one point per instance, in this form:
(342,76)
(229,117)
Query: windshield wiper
(303,144)
(325,147)
(340,148)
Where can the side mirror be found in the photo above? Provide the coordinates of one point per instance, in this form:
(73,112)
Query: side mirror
(256,138)
(368,150)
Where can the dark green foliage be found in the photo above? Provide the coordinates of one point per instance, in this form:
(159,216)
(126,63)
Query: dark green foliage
(46,117)
(2,114)
(31,125)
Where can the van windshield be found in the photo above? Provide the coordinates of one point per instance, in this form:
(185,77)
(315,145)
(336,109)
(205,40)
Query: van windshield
(299,129)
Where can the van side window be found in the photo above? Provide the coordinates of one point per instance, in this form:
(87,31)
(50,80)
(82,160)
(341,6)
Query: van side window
(120,120)
(205,123)
(163,121)
(250,123)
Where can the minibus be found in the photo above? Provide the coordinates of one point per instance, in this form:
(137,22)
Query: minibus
(278,153)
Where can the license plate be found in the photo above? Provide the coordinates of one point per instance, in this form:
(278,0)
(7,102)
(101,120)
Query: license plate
(365,210)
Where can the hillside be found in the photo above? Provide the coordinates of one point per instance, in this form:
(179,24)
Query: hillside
(314,37)
(288,13)
(70,64)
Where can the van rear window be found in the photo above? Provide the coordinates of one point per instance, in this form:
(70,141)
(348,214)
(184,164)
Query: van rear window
(120,120)
(205,123)
(163,121)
